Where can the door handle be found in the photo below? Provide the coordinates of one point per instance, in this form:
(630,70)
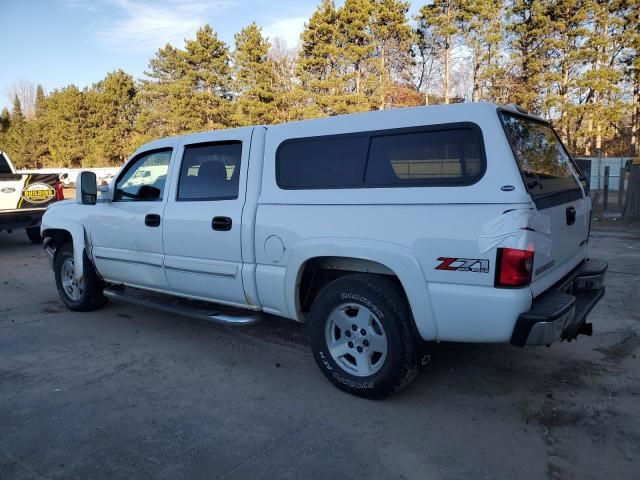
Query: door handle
(571,215)
(152,220)
(222,224)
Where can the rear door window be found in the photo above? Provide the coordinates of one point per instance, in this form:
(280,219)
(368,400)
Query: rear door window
(544,162)
(210,171)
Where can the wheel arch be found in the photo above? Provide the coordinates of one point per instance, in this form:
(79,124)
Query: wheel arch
(344,256)
(62,231)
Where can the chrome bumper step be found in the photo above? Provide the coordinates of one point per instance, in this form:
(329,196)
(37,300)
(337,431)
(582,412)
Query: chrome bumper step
(209,312)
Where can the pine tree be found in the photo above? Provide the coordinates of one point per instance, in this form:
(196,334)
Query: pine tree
(254,81)
(392,36)
(356,45)
(602,106)
(529,28)
(112,108)
(5,121)
(481,30)
(16,140)
(440,20)
(208,72)
(566,48)
(39,144)
(187,90)
(318,66)
(66,119)
(164,96)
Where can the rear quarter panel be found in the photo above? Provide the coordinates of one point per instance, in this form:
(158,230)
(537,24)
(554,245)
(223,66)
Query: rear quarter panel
(416,226)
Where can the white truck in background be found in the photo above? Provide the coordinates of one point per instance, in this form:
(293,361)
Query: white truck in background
(384,231)
(25,196)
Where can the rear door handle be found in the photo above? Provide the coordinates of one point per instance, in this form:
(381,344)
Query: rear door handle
(222,224)
(152,220)
(571,215)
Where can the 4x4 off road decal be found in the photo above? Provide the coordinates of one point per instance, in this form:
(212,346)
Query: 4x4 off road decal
(478,265)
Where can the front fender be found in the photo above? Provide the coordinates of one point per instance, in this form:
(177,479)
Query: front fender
(77,232)
(398,259)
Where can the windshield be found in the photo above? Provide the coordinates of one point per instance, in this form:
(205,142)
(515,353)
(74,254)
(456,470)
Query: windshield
(543,160)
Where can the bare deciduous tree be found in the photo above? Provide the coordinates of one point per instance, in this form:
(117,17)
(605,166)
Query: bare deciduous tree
(26,93)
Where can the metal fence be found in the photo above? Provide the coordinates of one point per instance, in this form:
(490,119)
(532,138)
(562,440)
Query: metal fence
(608,180)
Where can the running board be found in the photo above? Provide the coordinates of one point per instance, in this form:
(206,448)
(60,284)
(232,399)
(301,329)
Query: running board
(182,306)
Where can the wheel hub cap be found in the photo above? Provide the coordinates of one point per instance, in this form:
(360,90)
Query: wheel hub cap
(356,339)
(72,287)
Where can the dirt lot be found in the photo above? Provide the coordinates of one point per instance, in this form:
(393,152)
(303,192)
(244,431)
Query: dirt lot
(130,393)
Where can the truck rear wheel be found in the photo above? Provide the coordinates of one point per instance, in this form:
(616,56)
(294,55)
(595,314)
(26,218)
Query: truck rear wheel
(84,295)
(361,335)
(34,235)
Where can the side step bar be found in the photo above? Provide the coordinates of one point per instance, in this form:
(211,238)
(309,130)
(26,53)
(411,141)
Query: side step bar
(181,306)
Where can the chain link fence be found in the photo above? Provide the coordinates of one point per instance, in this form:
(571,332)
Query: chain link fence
(608,180)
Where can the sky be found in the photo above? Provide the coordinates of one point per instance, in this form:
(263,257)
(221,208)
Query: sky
(58,42)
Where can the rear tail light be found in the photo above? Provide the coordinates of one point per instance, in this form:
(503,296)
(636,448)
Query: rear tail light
(514,267)
(59,190)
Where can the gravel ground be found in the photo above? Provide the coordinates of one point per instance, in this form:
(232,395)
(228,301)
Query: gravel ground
(130,393)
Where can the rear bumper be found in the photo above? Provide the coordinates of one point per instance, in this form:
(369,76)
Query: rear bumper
(14,219)
(561,312)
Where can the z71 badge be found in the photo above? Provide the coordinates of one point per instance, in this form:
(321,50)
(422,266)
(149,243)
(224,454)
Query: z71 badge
(477,265)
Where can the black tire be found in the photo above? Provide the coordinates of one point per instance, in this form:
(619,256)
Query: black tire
(34,235)
(384,297)
(91,297)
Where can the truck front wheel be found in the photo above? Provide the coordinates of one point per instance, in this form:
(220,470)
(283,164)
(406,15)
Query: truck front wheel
(84,295)
(361,336)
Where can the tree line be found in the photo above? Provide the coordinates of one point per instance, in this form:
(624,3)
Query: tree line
(573,62)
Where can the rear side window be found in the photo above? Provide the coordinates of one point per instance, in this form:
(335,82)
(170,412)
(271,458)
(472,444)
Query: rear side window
(542,159)
(210,171)
(429,156)
(424,158)
(322,162)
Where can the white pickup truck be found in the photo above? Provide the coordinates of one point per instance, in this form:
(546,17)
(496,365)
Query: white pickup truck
(24,197)
(384,231)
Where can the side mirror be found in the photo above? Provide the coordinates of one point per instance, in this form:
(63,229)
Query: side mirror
(86,188)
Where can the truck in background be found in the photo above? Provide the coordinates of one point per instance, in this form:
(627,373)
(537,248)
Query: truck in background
(25,196)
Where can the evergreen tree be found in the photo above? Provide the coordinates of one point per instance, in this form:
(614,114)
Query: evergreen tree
(392,36)
(356,45)
(481,30)
(602,106)
(208,72)
(39,139)
(112,109)
(318,66)
(16,140)
(529,29)
(440,21)
(164,96)
(566,48)
(187,90)
(5,121)
(66,119)
(254,81)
